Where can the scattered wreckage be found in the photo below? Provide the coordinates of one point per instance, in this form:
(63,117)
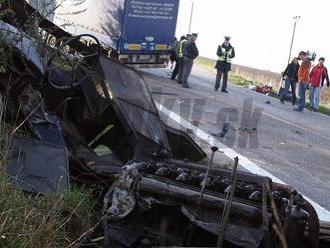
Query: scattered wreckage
(93,121)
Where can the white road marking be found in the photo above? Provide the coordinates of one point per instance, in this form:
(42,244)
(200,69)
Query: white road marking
(323,214)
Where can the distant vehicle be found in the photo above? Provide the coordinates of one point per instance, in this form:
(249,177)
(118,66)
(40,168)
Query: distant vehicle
(132,31)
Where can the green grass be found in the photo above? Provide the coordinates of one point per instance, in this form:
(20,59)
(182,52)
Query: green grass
(206,62)
(322,109)
(235,79)
(239,80)
(30,220)
(41,221)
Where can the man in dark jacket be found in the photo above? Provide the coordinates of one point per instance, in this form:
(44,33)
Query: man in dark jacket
(173,54)
(189,54)
(225,54)
(291,78)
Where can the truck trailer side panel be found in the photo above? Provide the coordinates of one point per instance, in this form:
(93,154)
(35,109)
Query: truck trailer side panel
(101,18)
(138,30)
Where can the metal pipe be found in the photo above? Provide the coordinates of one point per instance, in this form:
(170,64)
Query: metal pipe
(293,33)
(265,222)
(227,208)
(213,149)
(191,16)
(278,228)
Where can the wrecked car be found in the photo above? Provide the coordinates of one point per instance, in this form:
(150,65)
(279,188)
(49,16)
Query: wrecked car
(93,121)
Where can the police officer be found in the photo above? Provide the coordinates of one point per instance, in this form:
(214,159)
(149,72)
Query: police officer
(181,46)
(223,65)
(190,53)
(179,58)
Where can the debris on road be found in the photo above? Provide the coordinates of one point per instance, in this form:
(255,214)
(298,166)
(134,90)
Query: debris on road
(189,131)
(93,121)
(264,89)
(298,132)
(225,129)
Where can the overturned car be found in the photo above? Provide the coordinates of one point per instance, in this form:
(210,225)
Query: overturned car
(92,121)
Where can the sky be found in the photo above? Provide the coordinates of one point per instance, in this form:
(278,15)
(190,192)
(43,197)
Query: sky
(261,30)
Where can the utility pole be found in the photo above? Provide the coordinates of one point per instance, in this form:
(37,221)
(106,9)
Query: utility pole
(191,15)
(295,18)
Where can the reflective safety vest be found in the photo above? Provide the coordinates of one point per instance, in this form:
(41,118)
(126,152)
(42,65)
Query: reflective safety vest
(225,55)
(181,46)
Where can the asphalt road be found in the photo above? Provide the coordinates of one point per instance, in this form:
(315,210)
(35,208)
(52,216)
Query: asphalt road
(292,146)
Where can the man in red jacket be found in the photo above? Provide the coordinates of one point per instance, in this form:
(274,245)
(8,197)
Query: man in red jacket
(317,76)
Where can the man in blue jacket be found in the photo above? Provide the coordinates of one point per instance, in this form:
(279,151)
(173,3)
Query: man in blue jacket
(225,54)
(189,54)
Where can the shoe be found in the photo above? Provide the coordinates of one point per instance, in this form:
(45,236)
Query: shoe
(185,86)
(297,109)
(216,89)
(282,101)
(173,79)
(225,91)
(179,82)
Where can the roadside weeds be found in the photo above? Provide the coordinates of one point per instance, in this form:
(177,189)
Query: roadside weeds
(34,220)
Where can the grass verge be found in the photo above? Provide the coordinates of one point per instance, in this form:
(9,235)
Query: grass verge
(239,80)
(30,220)
(235,79)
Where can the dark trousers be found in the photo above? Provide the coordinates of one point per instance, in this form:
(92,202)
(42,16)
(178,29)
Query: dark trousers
(289,83)
(187,67)
(176,68)
(218,79)
(180,69)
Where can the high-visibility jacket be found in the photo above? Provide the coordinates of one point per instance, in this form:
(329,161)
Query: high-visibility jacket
(181,48)
(226,56)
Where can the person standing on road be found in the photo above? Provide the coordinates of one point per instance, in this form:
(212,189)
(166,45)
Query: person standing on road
(179,60)
(225,54)
(173,54)
(291,78)
(303,80)
(190,53)
(180,49)
(317,76)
